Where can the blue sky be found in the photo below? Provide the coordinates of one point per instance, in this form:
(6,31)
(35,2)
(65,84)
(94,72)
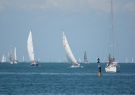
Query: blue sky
(87,24)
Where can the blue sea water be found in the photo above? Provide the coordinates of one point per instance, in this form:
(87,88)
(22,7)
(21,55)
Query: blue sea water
(60,79)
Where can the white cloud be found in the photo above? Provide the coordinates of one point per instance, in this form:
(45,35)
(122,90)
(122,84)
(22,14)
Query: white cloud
(66,5)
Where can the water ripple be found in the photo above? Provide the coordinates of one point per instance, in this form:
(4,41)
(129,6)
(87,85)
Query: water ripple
(68,74)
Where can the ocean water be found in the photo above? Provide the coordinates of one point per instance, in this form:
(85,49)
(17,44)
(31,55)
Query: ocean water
(60,79)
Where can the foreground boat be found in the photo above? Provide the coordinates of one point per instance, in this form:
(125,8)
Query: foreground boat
(31,50)
(112,66)
(69,53)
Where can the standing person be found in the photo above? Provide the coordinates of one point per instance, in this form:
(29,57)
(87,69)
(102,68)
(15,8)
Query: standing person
(99,68)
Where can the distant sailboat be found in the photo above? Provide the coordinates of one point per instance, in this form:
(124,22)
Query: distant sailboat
(13,57)
(31,50)
(85,57)
(69,53)
(3,59)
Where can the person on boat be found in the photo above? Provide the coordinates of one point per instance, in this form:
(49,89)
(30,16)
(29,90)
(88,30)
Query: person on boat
(99,67)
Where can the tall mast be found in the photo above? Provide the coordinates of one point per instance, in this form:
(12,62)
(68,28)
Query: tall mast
(15,57)
(112,20)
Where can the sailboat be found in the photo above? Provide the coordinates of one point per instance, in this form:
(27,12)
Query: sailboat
(31,50)
(69,53)
(85,57)
(13,57)
(112,65)
(3,59)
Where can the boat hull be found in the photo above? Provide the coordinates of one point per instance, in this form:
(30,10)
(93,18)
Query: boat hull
(76,66)
(112,69)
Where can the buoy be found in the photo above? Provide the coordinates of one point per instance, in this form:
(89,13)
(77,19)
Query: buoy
(99,68)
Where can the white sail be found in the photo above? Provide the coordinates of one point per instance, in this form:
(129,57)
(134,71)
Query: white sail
(3,59)
(30,48)
(15,57)
(69,51)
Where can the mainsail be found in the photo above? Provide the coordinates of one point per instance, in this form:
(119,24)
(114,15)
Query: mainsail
(30,48)
(69,51)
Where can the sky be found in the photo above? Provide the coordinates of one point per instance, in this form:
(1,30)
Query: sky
(86,23)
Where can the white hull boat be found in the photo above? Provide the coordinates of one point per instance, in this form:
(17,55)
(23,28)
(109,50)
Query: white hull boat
(113,67)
